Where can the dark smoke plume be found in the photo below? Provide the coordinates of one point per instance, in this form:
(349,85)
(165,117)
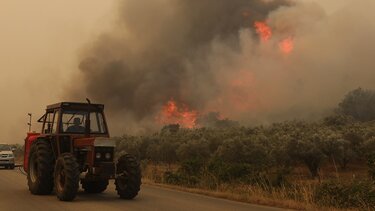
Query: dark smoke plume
(145,60)
(207,55)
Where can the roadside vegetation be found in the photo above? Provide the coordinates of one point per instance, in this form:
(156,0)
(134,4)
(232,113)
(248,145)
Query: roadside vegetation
(293,164)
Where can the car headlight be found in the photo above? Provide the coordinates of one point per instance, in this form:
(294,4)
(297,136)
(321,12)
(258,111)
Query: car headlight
(108,155)
(10,155)
(98,155)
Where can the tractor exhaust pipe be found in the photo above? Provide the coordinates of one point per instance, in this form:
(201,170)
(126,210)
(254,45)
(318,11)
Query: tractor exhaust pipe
(87,123)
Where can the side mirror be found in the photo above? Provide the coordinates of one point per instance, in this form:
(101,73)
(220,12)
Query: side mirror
(13,149)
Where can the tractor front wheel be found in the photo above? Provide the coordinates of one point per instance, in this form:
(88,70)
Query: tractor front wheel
(66,177)
(128,177)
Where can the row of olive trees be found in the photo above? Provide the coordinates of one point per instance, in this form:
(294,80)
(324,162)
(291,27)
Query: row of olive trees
(232,152)
(277,147)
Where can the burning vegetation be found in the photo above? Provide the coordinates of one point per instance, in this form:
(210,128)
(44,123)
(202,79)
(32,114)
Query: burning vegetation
(265,33)
(263,30)
(179,113)
(172,113)
(286,45)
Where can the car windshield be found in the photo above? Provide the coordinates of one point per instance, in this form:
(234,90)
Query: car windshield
(74,122)
(4,147)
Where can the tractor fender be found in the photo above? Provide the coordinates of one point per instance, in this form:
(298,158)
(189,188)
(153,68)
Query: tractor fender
(29,140)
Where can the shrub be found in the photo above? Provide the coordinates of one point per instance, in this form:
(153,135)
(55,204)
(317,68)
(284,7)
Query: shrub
(359,104)
(226,172)
(173,178)
(191,167)
(198,149)
(179,178)
(309,152)
(355,194)
(337,120)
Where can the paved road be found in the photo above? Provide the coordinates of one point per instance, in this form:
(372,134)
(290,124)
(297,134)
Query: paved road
(15,196)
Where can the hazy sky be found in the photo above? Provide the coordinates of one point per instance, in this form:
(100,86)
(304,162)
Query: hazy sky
(40,43)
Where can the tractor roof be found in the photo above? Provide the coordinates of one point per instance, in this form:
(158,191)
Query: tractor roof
(75,106)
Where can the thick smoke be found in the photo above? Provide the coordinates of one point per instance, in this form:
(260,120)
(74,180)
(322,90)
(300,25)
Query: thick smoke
(207,55)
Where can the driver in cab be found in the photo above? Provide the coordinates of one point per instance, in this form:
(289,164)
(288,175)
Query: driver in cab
(76,127)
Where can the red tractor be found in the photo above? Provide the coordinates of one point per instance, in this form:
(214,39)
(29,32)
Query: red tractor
(73,147)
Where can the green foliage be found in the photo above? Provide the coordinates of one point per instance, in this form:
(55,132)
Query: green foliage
(173,178)
(236,153)
(224,152)
(248,150)
(188,174)
(198,149)
(191,167)
(359,104)
(355,194)
(307,148)
(226,171)
(338,120)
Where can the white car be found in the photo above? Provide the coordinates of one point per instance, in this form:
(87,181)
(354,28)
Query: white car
(6,156)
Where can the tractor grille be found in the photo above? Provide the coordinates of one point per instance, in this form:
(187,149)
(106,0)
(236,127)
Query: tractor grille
(103,151)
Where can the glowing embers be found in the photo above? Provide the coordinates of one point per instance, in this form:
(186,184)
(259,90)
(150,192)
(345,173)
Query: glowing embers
(263,30)
(174,113)
(287,45)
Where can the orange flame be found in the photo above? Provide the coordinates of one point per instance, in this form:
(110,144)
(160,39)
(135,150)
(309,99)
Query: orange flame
(171,113)
(263,30)
(286,45)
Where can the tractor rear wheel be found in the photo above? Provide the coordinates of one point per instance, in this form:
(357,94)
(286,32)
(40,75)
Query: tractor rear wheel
(66,177)
(40,169)
(128,180)
(94,186)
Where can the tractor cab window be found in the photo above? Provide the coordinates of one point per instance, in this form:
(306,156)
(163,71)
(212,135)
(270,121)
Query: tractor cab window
(97,123)
(55,121)
(48,123)
(75,122)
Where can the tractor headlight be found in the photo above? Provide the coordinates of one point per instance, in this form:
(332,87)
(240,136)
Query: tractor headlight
(104,154)
(108,155)
(98,155)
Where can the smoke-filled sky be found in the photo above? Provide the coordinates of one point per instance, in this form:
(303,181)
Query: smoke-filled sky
(135,55)
(40,41)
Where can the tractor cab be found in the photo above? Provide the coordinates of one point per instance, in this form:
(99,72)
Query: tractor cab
(75,119)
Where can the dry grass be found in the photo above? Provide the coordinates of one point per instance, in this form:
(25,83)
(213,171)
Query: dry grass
(254,196)
(299,198)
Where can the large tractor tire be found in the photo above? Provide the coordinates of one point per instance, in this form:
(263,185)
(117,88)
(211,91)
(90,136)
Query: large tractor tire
(40,169)
(94,186)
(66,177)
(128,180)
